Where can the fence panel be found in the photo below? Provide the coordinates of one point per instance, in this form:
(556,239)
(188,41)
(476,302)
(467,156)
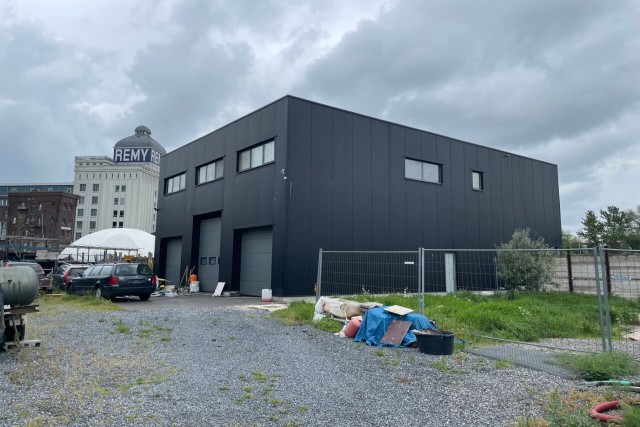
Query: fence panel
(607,282)
(373,272)
(622,281)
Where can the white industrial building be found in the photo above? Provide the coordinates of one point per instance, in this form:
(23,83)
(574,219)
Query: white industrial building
(119,191)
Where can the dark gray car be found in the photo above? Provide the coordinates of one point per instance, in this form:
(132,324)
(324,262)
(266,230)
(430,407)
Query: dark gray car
(112,280)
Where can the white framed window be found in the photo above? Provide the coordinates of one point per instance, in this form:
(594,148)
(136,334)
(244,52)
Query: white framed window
(96,187)
(477,180)
(81,200)
(94,212)
(94,200)
(80,212)
(256,156)
(115,200)
(83,187)
(423,171)
(122,201)
(92,225)
(117,188)
(209,172)
(124,188)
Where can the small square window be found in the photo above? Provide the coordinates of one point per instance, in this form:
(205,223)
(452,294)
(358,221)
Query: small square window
(122,201)
(81,200)
(80,212)
(117,188)
(212,260)
(96,187)
(203,260)
(94,212)
(115,201)
(124,188)
(121,214)
(83,187)
(94,200)
(92,225)
(115,213)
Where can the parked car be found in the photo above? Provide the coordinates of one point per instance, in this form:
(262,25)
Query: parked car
(63,273)
(36,267)
(112,280)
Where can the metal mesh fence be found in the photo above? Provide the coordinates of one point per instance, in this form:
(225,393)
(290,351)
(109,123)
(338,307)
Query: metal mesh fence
(351,273)
(608,279)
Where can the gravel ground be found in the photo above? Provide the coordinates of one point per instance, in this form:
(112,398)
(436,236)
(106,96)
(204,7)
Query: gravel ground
(235,366)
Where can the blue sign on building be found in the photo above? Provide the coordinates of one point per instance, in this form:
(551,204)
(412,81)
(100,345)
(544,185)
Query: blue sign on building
(136,155)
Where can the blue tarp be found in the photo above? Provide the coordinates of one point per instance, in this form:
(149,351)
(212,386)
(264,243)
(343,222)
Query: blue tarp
(376,321)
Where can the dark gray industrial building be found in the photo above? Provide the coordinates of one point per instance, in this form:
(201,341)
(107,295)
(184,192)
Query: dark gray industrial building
(251,203)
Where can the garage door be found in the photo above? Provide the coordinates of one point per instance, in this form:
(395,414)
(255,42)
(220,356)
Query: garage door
(172,261)
(255,261)
(209,254)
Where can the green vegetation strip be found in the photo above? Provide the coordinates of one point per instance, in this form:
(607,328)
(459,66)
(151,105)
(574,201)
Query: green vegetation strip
(524,317)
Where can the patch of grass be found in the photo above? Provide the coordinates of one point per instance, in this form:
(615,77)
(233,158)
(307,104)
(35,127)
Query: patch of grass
(59,305)
(247,389)
(380,353)
(223,388)
(502,364)
(298,313)
(145,333)
(329,325)
(303,408)
(603,366)
(526,317)
(121,327)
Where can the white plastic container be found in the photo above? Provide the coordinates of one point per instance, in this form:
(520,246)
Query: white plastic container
(194,286)
(267,295)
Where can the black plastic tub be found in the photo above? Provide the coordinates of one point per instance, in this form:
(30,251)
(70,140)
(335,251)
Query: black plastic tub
(434,342)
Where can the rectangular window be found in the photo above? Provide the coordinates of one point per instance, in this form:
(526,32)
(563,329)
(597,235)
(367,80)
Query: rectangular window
(94,212)
(114,224)
(477,181)
(78,235)
(115,214)
(122,201)
(173,184)
(92,225)
(245,160)
(94,200)
(209,172)
(121,214)
(96,187)
(83,187)
(80,212)
(115,201)
(121,225)
(124,188)
(423,171)
(117,188)
(81,200)
(256,156)
(78,224)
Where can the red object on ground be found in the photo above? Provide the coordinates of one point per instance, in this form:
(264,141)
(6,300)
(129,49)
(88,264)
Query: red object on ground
(352,328)
(597,412)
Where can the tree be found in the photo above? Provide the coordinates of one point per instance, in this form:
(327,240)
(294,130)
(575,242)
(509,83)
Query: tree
(613,228)
(525,270)
(593,229)
(569,241)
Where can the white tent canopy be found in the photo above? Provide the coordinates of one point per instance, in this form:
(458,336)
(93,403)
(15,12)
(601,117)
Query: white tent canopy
(122,241)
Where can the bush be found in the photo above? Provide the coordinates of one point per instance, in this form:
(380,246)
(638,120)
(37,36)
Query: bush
(525,270)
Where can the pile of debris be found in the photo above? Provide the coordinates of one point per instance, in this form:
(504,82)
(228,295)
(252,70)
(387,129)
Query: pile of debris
(373,323)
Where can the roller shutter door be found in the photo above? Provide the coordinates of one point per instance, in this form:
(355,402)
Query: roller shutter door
(255,262)
(172,261)
(209,254)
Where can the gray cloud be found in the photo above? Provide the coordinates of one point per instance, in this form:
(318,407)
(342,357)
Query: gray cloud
(551,80)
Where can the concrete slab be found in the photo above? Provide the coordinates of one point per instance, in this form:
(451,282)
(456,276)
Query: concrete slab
(186,301)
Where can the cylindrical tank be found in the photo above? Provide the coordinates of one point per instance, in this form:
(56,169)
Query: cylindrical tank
(353,326)
(20,285)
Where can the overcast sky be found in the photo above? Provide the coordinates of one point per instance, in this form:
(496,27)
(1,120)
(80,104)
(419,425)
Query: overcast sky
(554,80)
